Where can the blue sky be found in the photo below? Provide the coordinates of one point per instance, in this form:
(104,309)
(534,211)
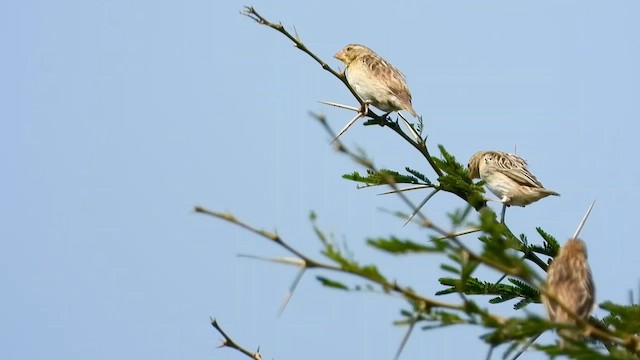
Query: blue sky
(118,117)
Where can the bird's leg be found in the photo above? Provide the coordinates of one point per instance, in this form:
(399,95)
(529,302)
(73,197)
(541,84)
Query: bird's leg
(364,108)
(505,202)
(504,210)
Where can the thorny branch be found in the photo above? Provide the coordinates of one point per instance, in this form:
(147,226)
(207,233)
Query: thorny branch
(313,264)
(631,342)
(424,221)
(410,295)
(421,146)
(228,342)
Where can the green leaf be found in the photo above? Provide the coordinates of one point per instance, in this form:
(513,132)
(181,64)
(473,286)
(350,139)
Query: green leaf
(371,271)
(625,318)
(382,177)
(396,246)
(522,304)
(449,268)
(332,283)
(455,179)
(418,175)
(551,244)
(469,268)
(526,291)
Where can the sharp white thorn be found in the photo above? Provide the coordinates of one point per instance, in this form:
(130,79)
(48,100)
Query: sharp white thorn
(417,187)
(358,116)
(417,210)
(584,220)
(282,260)
(352,108)
(415,135)
(289,293)
(421,205)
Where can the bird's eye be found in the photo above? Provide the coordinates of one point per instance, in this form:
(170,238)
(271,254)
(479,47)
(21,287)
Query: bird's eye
(349,48)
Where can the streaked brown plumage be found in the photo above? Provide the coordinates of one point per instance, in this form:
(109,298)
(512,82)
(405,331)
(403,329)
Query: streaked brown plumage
(375,80)
(508,177)
(570,281)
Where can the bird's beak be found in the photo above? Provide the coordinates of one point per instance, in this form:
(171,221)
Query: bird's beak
(339,55)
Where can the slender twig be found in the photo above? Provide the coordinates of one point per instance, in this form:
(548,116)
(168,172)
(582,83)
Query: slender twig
(415,187)
(368,164)
(407,292)
(490,352)
(228,342)
(459,233)
(251,12)
(526,346)
(412,324)
(267,234)
(431,194)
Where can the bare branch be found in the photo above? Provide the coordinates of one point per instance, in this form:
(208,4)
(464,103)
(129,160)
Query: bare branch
(269,235)
(251,13)
(228,342)
(406,292)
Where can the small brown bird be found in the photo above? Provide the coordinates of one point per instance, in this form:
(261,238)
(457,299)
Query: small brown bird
(375,80)
(508,177)
(569,280)
(570,283)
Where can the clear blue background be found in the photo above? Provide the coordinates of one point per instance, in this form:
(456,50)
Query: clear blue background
(117,117)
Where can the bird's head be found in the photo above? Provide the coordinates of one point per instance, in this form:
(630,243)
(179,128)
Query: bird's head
(473,167)
(351,52)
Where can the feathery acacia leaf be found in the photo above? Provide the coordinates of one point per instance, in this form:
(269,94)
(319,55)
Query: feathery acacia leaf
(397,246)
(332,283)
(622,317)
(382,177)
(550,242)
(418,175)
(456,180)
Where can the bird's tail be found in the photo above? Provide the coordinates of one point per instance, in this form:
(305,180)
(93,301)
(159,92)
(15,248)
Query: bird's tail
(549,192)
(411,111)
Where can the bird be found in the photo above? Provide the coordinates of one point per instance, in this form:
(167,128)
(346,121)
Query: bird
(507,176)
(570,282)
(375,81)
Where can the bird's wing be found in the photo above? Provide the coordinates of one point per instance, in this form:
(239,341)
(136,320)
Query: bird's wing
(515,168)
(388,76)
